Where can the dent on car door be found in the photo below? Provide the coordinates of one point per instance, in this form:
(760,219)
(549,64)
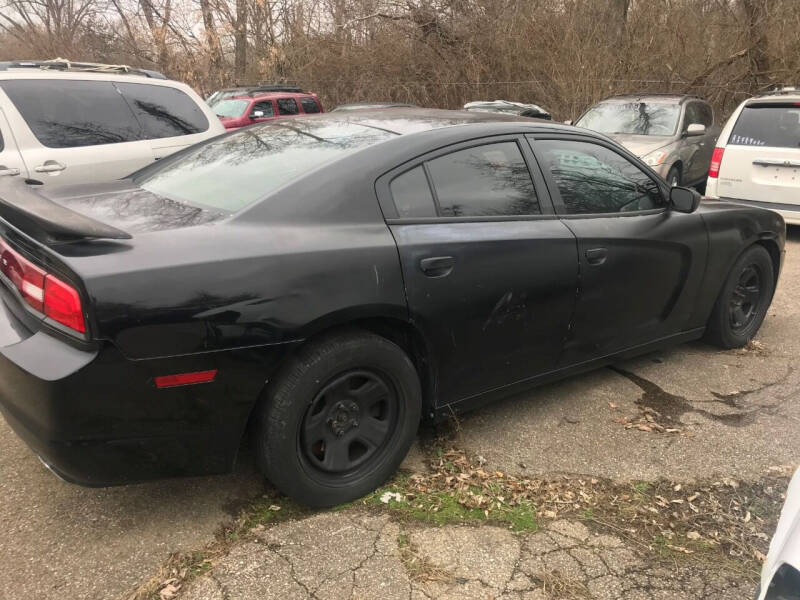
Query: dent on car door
(490,273)
(641,264)
(75,131)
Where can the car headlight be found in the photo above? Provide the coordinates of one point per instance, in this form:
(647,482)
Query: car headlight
(655,158)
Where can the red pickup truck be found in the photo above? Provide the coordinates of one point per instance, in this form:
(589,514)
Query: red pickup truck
(246,109)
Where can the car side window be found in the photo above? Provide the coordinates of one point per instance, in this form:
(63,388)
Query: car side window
(593,179)
(265,107)
(163,111)
(484,181)
(693,115)
(309,105)
(69,114)
(287,106)
(412,195)
(706,114)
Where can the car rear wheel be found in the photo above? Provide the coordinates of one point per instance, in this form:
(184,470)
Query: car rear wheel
(339,419)
(743,302)
(674,176)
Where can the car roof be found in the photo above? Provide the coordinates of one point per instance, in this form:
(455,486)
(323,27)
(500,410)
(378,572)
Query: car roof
(76,75)
(408,120)
(65,66)
(268,95)
(652,97)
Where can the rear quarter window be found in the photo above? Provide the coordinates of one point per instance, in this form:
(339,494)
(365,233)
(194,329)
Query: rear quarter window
(163,111)
(309,105)
(772,125)
(68,114)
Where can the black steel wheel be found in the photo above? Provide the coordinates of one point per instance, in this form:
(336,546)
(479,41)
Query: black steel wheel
(348,422)
(339,418)
(743,301)
(746,298)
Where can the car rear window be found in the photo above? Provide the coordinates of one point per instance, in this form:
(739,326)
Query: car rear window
(234,171)
(776,125)
(163,111)
(67,114)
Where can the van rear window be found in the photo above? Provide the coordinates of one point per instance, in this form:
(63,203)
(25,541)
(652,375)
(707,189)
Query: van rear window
(772,125)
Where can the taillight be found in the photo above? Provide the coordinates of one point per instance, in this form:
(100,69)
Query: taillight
(62,303)
(716,161)
(26,277)
(43,292)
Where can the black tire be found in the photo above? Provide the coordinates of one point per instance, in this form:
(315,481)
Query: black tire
(743,301)
(674,175)
(339,419)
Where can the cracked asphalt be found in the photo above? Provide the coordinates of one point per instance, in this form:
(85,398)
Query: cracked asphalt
(735,414)
(332,556)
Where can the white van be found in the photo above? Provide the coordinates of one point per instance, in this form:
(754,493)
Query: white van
(63,122)
(757,157)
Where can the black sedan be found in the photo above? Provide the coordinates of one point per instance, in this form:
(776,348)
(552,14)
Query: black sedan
(327,282)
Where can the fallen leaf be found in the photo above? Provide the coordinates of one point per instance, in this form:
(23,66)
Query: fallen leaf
(680,549)
(612,405)
(693,535)
(274,507)
(169,591)
(747,517)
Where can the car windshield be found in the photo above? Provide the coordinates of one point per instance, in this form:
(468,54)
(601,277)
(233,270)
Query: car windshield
(635,118)
(232,172)
(230,108)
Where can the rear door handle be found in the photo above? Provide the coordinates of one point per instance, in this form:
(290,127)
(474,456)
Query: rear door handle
(50,166)
(437,266)
(8,171)
(596,256)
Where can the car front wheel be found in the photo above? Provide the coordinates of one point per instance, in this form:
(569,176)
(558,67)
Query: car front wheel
(743,302)
(339,419)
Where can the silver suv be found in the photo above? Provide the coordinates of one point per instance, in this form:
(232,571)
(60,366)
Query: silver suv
(673,134)
(63,122)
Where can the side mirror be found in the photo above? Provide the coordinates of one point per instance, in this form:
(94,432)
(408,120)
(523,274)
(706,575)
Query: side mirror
(256,114)
(685,200)
(695,129)
(568,122)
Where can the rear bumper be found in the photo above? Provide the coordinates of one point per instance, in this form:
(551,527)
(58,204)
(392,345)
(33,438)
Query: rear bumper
(789,212)
(99,419)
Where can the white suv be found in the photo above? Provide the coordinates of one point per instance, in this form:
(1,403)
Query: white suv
(757,158)
(63,122)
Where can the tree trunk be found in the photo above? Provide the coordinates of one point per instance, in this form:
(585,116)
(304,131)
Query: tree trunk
(755,14)
(240,63)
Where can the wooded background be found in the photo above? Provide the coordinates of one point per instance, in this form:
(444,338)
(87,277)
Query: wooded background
(562,54)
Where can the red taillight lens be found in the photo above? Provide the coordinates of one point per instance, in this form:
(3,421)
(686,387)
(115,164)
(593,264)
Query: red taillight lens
(62,303)
(26,277)
(716,161)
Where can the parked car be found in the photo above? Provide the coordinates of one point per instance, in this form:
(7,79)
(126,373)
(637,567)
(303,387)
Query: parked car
(332,280)
(673,134)
(757,157)
(249,90)
(509,108)
(63,122)
(247,109)
(371,106)
(780,575)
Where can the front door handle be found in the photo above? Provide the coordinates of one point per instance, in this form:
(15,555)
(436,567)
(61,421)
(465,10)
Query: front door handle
(437,266)
(50,166)
(596,256)
(8,171)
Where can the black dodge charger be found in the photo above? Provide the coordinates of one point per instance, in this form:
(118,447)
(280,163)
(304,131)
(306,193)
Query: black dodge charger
(330,281)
